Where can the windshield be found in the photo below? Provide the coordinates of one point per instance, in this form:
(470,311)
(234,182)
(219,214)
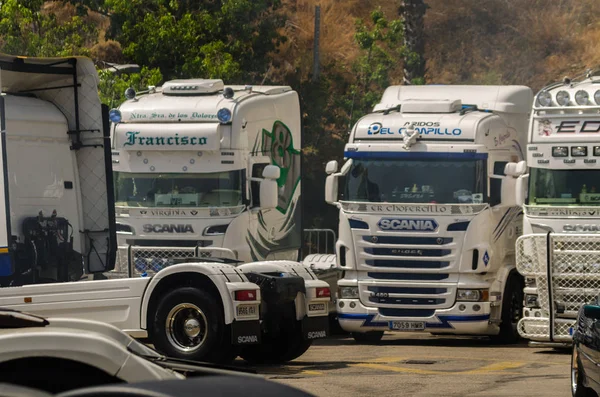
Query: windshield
(564,187)
(416,181)
(216,189)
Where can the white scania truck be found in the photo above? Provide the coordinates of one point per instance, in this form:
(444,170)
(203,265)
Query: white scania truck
(428,218)
(58,235)
(559,252)
(207,170)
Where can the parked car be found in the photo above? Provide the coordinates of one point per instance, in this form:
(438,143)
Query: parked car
(57,355)
(585,357)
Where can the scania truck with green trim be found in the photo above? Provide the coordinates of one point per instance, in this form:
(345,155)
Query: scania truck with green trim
(205,170)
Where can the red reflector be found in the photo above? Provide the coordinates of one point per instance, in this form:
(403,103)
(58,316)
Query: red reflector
(323,292)
(246,295)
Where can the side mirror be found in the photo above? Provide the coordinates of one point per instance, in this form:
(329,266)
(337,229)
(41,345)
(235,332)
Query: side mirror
(271,172)
(268,194)
(332,167)
(521,187)
(592,312)
(515,169)
(331,189)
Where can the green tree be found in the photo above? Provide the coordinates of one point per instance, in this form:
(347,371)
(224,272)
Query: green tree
(29,30)
(228,39)
(113,85)
(383,53)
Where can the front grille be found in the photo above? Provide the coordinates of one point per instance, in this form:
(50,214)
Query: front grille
(409,290)
(408,240)
(401,263)
(407,252)
(407,264)
(407,301)
(409,276)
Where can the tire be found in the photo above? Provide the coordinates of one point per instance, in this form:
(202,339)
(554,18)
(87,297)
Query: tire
(201,313)
(288,345)
(577,377)
(512,311)
(368,338)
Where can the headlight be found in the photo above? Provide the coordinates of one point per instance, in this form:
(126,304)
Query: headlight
(560,151)
(349,292)
(530,282)
(531,301)
(581,97)
(472,295)
(578,151)
(545,99)
(563,98)
(596,151)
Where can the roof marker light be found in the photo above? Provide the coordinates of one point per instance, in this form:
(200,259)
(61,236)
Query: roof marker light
(597,97)
(224,115)
(115,115)
(130,93)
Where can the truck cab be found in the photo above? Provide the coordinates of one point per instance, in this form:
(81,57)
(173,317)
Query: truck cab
(209,171)
(560,193)
(428,218)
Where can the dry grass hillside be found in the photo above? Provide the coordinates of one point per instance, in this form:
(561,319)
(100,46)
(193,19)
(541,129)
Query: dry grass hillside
(529,42)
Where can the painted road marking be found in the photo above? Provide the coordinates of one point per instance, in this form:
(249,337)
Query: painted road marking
(497,367)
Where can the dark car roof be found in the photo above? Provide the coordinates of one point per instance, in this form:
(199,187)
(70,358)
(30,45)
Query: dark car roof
(225,386)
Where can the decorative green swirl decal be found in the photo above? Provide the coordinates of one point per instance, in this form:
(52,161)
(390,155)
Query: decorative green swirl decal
(278,144)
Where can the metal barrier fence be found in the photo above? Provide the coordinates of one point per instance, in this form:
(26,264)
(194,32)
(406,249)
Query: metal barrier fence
(319,241)
(136,260)
(566,270)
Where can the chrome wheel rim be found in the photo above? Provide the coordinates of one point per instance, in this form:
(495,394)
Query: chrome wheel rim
(574,370)
(186,327)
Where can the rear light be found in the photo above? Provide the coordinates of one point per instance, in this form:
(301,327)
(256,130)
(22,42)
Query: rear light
(323,292)
(246,295)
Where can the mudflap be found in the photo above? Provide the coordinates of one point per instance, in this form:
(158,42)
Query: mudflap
(315,327)
(245,332)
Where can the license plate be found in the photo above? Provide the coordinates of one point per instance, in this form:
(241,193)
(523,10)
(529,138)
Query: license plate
(246,310)
(316,307)
(407,325)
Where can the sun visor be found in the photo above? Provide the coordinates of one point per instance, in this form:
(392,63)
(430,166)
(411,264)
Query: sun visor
(162,136)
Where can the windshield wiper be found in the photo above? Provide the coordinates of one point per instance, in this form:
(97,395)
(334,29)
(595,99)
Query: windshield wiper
(189,365)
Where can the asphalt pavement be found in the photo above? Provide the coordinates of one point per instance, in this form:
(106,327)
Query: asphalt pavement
(416,364)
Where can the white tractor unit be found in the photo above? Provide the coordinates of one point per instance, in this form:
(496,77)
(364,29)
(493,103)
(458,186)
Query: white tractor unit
(559,251)
(428,213)
(204,170)
(59,236)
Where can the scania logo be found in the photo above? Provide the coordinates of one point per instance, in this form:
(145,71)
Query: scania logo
(581,228)
(168,228)
(440,241)
(408,225)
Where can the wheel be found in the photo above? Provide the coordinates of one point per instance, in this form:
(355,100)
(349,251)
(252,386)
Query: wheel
(512,311)
(371,337)
(577,377)
(287,345)
(188,324)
